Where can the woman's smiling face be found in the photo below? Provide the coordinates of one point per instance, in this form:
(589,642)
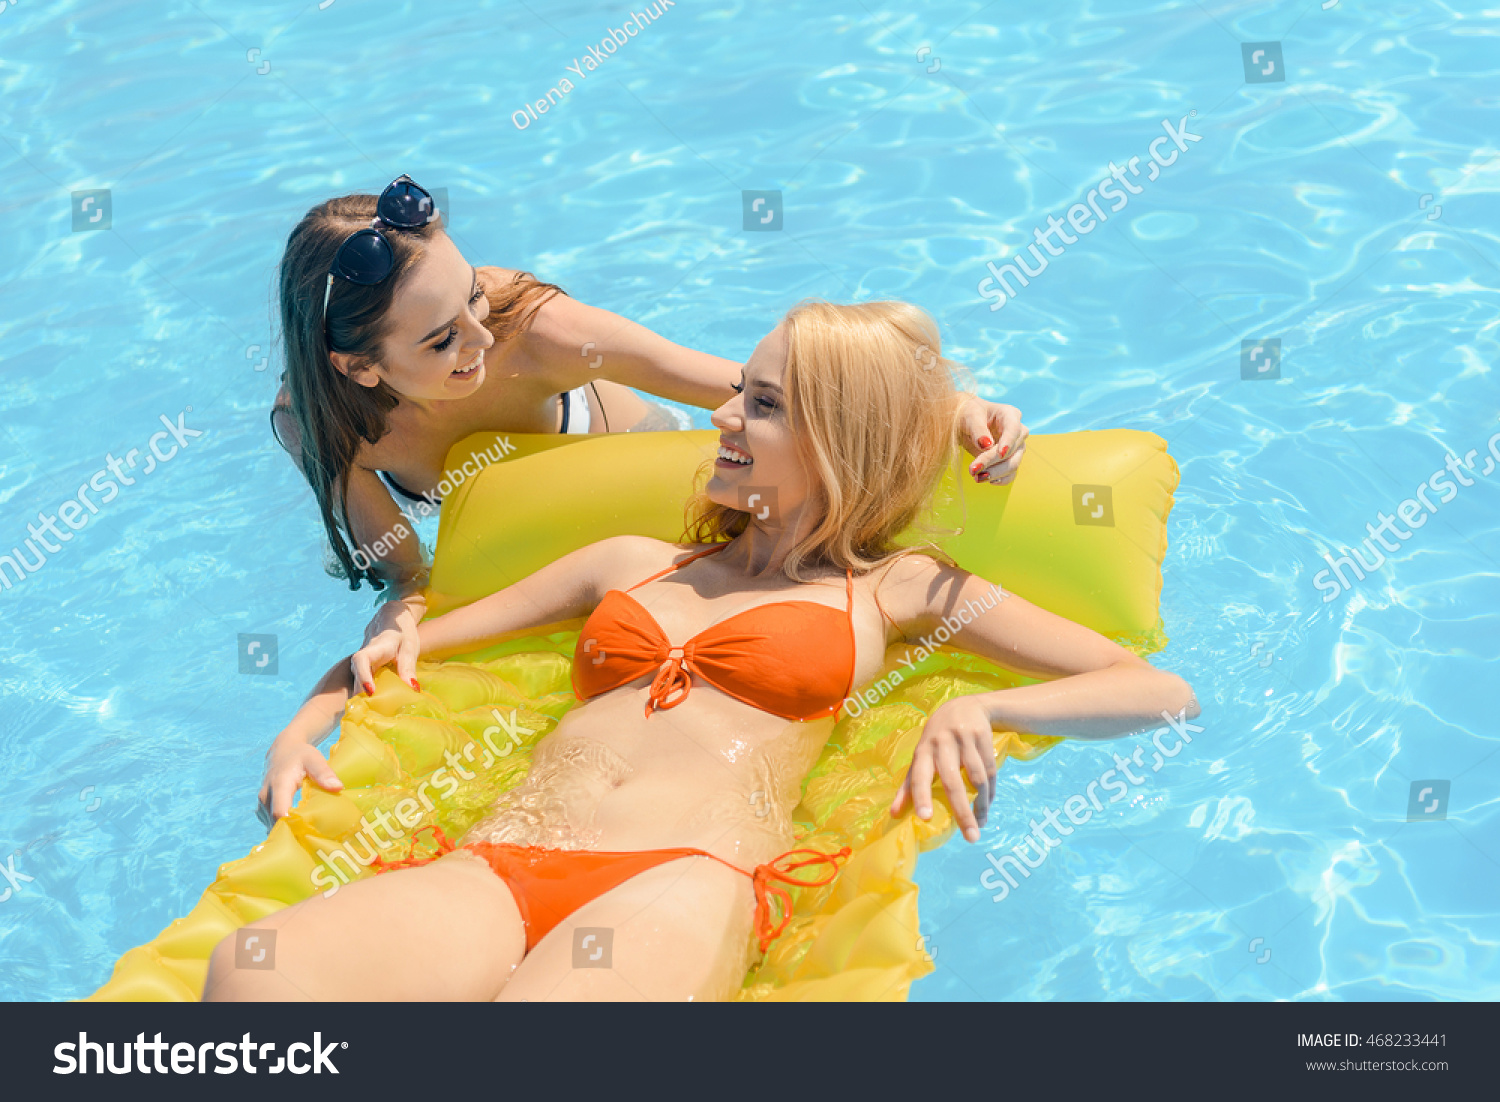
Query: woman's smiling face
(435,348)
(759,469)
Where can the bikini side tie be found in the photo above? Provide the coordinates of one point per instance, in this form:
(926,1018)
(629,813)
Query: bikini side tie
(766,890)
(411,860)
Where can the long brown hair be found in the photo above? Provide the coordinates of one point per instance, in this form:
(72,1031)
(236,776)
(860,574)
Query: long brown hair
(334,414)
(873,409)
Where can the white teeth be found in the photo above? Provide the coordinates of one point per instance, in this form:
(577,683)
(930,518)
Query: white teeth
(733,457)
(473,365)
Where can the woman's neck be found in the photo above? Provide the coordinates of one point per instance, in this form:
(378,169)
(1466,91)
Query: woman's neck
(420,407)
(762,548)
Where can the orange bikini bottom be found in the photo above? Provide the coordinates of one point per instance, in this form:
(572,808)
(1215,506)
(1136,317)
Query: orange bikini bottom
(550,884)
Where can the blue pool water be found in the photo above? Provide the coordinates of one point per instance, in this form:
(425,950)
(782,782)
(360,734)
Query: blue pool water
(1349,211)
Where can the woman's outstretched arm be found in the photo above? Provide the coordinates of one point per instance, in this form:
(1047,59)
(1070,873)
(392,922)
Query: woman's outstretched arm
(561,590)
(587,344)
(1093,688)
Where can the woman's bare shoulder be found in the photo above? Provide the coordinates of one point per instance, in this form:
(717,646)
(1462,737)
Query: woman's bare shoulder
(909,585)
(914,568)
(284,426)
(648,549)
(626,560)
(288,434)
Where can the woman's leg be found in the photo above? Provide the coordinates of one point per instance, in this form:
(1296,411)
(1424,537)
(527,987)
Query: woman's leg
(678,931)
(445,931)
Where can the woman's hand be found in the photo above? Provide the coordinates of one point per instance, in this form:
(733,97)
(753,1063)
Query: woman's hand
(956,740)
(382,650)
(994,435)
(390,637)
(287,762)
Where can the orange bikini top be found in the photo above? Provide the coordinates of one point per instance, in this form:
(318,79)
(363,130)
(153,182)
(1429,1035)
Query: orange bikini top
(794,659)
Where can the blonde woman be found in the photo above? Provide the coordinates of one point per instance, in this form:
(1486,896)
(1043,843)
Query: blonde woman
(720,655)
(396,348)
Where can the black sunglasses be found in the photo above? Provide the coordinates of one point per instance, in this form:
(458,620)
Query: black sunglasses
(366,256)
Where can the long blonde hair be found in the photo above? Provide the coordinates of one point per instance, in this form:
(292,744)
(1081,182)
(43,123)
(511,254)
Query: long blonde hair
(873,408)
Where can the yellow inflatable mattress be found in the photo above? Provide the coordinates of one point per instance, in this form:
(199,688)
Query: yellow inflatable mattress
(1081,531)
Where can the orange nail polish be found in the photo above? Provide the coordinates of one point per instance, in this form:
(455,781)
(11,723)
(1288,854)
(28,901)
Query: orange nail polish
(369,689)
(986,442)
(1004,450)
(414,685)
